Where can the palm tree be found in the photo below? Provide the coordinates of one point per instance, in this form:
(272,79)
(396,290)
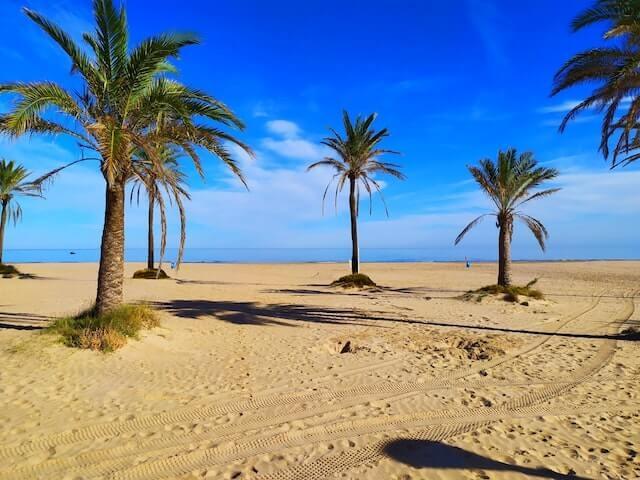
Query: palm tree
(127,102)
(612,69)
(357,162)
(165,176)
(509,186)
(14,183)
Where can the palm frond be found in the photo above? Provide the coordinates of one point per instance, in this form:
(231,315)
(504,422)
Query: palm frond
(472,224)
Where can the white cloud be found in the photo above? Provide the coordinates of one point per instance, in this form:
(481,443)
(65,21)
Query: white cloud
(568,105)
(284,128)
(297,148)
(560,107)
(290,143)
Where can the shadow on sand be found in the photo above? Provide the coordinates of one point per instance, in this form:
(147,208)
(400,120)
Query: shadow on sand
(427,454)
(251,313)
(23,321)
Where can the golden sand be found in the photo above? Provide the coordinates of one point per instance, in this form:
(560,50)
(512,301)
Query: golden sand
(245,378)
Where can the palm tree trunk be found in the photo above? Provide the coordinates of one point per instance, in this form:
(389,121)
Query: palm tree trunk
(111,271)
(150,256)
(3,222)
(353,208)
(504,254)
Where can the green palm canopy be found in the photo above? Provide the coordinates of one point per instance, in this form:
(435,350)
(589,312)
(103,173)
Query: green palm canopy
(14,183)
(127,102)
(357,161)
(510,183)
(612,69)
(160,179)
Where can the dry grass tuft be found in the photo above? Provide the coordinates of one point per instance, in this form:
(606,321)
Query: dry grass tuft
(151,274)
(8,271)
(355,280)
(511,293)
(107,332)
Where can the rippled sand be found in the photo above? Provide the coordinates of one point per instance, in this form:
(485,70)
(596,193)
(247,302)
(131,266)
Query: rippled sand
(245,380)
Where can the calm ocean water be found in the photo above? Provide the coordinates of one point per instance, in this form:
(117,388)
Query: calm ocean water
(236,255)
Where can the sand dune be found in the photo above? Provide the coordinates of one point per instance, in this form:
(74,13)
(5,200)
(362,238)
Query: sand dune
(245,380)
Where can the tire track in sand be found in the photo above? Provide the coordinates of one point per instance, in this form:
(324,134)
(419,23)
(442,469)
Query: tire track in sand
(526,403)
(95,460)
(447,422)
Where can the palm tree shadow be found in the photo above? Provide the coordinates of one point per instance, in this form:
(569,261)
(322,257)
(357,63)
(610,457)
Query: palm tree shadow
(251,313)
(435,455)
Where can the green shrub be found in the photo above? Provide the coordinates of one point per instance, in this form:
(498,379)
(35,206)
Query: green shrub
(358,280)
(151,274)
(107,332)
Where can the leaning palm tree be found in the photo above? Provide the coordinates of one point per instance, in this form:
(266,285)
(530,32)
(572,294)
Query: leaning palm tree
(126,102)
(509,185)
(357,162)
(163,177)
(612,69)
(14,183)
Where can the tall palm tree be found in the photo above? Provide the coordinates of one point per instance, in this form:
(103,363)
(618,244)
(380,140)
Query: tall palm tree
(509,185)
(126,102)
(357,162)
(14,183)
(156,179)
(612,69)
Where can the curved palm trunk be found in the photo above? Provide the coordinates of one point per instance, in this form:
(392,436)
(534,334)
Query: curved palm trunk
(3,222)
(150,253)
(353,208)
(111,271)
(504,254)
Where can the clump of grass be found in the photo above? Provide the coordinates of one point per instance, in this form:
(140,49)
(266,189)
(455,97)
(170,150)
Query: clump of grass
(8,271)
(107,332)
(151,274)
(355,280)
(512,292)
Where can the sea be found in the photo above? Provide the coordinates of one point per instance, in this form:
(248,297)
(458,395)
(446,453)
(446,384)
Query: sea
(267,255)
(231,255)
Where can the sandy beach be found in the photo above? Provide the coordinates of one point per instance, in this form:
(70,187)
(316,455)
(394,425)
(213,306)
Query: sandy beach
(245,379)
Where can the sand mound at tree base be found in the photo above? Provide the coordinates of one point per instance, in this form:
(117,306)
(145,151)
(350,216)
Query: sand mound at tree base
(150,274)
(8,271)
(355,280)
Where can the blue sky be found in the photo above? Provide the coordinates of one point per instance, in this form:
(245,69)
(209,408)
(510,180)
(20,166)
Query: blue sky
(453,82)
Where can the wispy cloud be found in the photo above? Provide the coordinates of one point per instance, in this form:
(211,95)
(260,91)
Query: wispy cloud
(560,107)
(485,19)
(289,142)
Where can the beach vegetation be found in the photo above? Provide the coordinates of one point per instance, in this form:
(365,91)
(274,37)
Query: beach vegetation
(151,274)
(105,332)
(158,178)
(611,71)
(509,183)
(356,163)
(127,101)
(355,280)
(15,183)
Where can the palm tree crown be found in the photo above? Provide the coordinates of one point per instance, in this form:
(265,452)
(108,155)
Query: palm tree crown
(127,103)
(14,183)
(125,93)
(509,185)
(357,162)
(358,155)
(163,177)
(613,69)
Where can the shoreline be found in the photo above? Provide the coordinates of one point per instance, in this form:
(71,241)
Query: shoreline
(330,262)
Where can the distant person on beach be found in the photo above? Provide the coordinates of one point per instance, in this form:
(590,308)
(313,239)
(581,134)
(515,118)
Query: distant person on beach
(467,262)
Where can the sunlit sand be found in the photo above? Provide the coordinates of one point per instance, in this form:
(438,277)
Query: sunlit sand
(245,379)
